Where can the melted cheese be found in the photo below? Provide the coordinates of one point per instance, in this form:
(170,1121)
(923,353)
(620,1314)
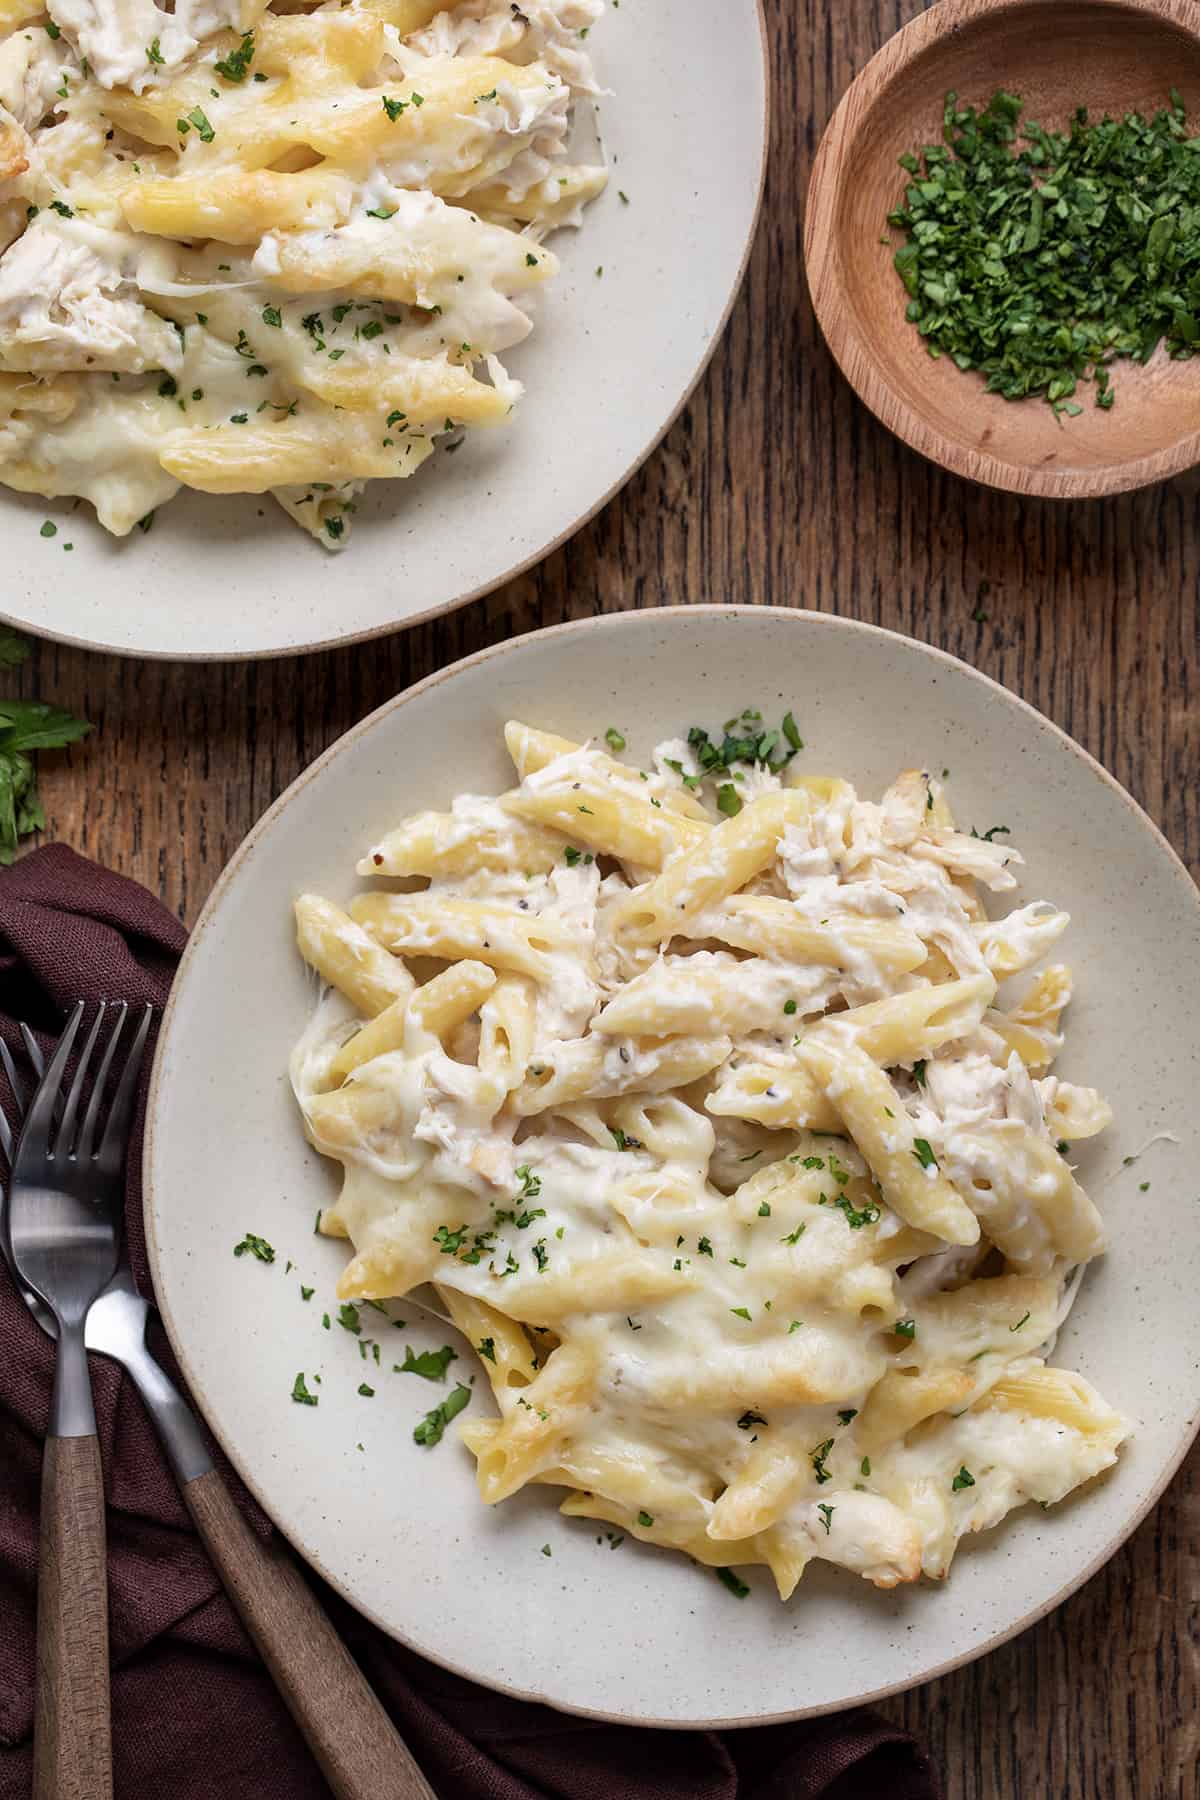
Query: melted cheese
(734,1291)
(397,285)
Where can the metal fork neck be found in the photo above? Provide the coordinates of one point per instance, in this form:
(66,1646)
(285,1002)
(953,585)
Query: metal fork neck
(71,1411)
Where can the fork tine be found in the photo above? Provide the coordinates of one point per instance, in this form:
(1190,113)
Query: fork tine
(33,1051)
(83,1149)
(116,1132)
(14,1080)
(18,1092)
(41,1112)
(64,1140)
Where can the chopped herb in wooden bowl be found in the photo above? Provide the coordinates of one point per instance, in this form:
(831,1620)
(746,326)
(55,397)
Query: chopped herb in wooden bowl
(1039,258)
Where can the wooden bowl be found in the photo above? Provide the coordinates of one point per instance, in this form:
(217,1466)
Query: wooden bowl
(1112,56)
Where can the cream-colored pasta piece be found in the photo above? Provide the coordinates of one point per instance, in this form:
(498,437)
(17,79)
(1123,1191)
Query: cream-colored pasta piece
(434,844)
(506,1031)
(537,1427)
(723,861)
(907,1027)
(421,925)
(608,822)
(502,1346)
(435,1008)
(768,926)
(772,1094)
(1024,1195)
(598,1067)
(347,958)
(902,1163)
(532,750)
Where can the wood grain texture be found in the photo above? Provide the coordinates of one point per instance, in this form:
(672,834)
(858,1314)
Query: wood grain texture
(777,486)
(1117,56)
(72,1740)
(359,1751)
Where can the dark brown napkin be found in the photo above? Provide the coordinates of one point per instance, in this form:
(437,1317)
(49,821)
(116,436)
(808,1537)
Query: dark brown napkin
(195,1716)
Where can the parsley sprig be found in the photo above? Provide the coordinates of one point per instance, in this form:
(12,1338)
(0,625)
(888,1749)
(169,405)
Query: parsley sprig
(26,726)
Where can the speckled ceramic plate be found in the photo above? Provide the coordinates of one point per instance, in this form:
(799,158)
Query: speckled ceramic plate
(635,1633)
(609,364)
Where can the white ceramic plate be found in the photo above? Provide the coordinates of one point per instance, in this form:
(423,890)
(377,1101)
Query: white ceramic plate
(609,363)
(401,1531)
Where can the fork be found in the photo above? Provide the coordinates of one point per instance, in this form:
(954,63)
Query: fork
(354,1742)
(64,1209)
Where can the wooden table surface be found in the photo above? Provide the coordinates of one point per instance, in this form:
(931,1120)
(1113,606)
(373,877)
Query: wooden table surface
(777,487)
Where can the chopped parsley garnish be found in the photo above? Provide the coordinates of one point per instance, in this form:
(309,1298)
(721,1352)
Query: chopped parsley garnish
(204,130)
(348,1317)
(905,1328)
(740,1312)
(851,1412)
(795,1325)
(764,1210)
(631,1324)
(745,741)
(924,1154)
(789,1007)
(813,1162)
(48,529)
(622,1139)
(964,1479)
(818,1456)
(919,1072)
(572,856)
(379,212)
(1038,257)
(429,1431)
(1062,1146)
(306,1293)
(867,1215)
(300,1393)
(393,108)
(793,1237)
(995,831)
(490,95)
(612,736)
(153,54)
(450,1242)
(62,209)
(546,1550)
(733,1582)
(645,1518)
(432,1364)
(704,1247)
(257,1247)
(826,1513)
(234,66)
(729,801)
(271,315)
(541,1255)
(238,418)
(531,1184)
(1019,1323)
(52,30)
(366,1391)
(748,1419)
(487,1347)
(864,1467)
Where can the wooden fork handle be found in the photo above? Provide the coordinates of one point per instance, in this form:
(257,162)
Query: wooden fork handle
(359,1750)
(72,1743)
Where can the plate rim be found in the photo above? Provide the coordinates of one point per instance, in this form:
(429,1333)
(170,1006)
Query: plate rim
(246,849)
(522,566)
